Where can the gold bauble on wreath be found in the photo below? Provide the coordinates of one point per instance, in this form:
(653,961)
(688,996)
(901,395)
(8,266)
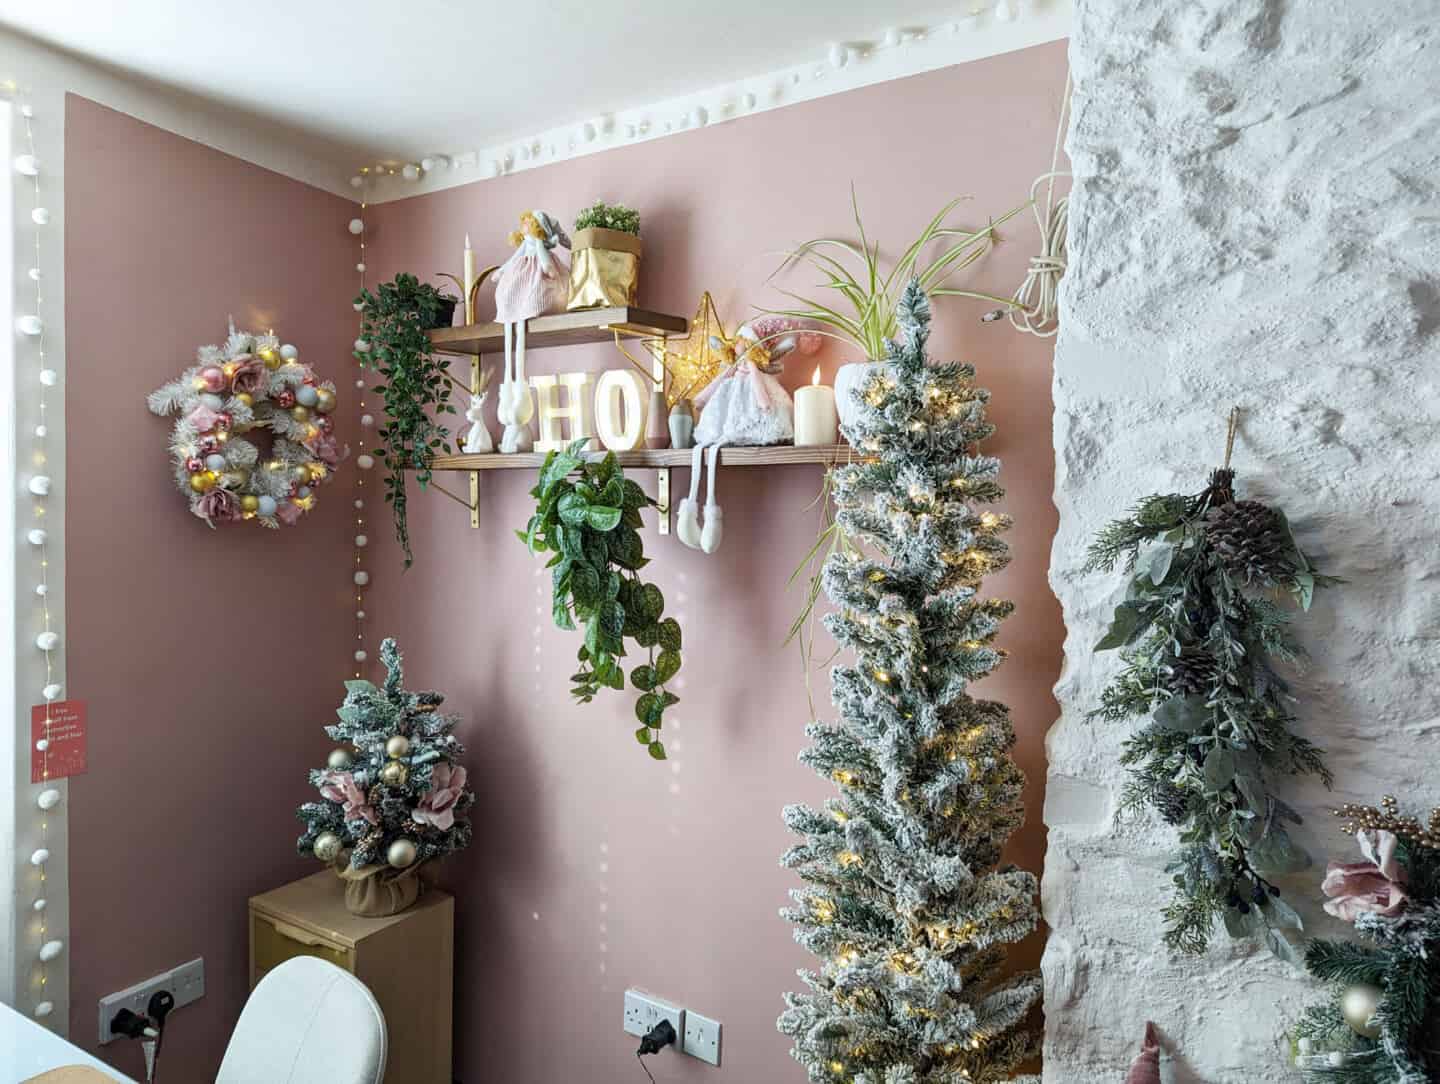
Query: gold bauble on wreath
(398,746)
(327,846)
(300,413)
(1358,1005)
(324,401)
(249,503)
(394,774)
(339,760)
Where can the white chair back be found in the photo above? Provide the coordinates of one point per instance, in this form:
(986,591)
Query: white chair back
(307,1022)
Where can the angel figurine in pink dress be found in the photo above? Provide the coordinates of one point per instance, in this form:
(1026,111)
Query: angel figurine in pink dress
(532,282)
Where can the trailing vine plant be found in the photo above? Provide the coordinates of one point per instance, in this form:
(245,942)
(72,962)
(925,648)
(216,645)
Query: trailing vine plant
(588,519)
(1199,633)
(415,385)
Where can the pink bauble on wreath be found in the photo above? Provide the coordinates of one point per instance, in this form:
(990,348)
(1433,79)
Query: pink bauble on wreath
(224,477)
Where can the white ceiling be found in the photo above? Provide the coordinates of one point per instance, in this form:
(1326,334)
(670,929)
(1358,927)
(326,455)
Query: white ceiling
(399,79)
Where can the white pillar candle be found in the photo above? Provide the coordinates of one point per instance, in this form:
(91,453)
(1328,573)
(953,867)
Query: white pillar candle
(815,420)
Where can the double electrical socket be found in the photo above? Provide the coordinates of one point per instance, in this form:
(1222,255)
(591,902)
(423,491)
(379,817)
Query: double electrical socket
(186,983)
(698,1036)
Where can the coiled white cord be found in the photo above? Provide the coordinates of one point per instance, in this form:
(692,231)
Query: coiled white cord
(1035,306)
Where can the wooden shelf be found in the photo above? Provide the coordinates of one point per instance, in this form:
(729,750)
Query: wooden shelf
(562,329)
(777,455)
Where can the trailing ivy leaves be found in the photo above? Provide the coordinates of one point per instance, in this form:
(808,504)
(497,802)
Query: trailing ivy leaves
(587,516)
(1199,633)
(414,383)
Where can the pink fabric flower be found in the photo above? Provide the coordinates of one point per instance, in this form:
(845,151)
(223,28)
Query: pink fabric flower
(437,808)
(340,787)
(249,378)
(326,450)
(203,418)
(218,506)
(1375,887)
(288,513)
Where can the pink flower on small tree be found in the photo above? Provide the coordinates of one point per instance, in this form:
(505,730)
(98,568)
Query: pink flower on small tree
(447,784)
(340,787)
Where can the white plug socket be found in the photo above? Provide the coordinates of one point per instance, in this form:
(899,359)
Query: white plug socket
(186,983)
(643,1011)
(701,1037)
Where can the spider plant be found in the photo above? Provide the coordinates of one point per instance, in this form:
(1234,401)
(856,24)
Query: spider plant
(864,312)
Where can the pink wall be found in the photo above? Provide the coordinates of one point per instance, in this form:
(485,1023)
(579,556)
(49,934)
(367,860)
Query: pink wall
(210,659)
(593,867)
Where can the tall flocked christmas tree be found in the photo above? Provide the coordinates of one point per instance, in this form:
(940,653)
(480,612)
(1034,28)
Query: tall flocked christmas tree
(906,903)
(399,799)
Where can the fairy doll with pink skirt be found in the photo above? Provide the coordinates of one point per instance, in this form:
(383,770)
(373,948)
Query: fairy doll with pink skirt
(534,281)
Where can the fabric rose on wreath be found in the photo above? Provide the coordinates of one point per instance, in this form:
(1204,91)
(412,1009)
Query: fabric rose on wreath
(203,419)
(340,787)
(250,378)
(437,808)
(1372,887)
(288,513)
(218,506)
(326,450)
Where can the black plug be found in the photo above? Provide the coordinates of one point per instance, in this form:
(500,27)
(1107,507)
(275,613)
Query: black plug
(161,1002)
(131,1025)
(657,1038)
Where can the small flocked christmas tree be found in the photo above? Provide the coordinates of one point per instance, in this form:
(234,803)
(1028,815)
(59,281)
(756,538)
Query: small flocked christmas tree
(906,904)
(399,798)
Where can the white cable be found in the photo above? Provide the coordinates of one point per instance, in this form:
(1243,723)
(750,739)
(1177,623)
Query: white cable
(1035,306)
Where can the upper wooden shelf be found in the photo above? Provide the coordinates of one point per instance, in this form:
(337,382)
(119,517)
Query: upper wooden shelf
(562,329)
(774,455)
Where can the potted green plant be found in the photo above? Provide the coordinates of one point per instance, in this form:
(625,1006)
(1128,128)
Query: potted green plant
(588,518)
(863,313)
(605,257)
(415,385)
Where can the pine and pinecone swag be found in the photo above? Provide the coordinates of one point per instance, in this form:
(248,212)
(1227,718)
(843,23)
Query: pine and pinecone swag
(1200,633)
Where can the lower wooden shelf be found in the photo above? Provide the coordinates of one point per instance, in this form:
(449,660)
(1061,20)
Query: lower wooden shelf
(777,455)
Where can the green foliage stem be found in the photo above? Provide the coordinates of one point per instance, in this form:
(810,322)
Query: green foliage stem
(588,518)
(609,216)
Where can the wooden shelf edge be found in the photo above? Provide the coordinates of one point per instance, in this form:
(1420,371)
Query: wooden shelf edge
(771,456)
(560,329)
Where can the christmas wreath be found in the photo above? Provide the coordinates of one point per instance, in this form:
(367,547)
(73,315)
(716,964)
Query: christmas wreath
(251,382)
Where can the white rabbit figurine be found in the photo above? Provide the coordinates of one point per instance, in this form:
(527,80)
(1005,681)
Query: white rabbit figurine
(477,439)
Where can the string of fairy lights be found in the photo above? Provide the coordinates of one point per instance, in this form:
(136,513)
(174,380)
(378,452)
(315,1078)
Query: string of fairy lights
(365,462)
(47,640)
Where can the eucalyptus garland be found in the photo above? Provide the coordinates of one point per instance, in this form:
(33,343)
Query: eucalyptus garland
(1200,632)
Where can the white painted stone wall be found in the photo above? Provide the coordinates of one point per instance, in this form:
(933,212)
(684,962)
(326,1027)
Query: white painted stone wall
(1256,220)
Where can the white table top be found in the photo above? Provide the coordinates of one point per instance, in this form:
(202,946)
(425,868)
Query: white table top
(27,1049)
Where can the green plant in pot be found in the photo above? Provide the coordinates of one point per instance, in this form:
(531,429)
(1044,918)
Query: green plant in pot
(588,518)
(414,383)
(605,257)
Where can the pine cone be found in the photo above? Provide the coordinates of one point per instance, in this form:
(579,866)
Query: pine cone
(1173,805)
(1250,540)
(1192,672)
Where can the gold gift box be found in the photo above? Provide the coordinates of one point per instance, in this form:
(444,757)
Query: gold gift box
(604,269)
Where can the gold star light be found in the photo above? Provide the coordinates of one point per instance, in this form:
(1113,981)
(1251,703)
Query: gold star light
(690,363)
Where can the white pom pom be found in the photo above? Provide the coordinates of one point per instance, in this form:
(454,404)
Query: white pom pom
(48,799)
(410,171)
(749,100)
(35,274)
(367,420)
(361,541)
(51,691)
(360,267)
(357,226)
(49,377)
(42,431)
(361,656)
(359,615)
(362,578)
(362,346)
(27,164)
(42,745)
(30,324)
(39,857)
(50,950)
(839,55)
(357,181)
(288,352)
(360,383)
(36,536)
(359,504)
(42,589)
(47,641)
(39,485)
(44,1009)
(364,462)
(27,110)
(427,164)
(1005,11)
(892,38)
(40,216)
(40,904)
(699,116)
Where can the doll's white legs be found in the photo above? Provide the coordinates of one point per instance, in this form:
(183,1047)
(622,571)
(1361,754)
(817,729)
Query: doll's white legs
(714,525)
(687,516)
(515,407)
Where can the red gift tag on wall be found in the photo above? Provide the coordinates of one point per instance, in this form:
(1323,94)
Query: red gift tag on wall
(65,755)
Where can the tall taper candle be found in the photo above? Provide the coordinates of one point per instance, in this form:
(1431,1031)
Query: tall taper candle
(469,278)
(815,420)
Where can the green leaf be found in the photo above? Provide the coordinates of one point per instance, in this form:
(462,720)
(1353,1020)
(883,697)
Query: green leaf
(560,614)
(644,736)
(1128,623)
(589,492)
(626,548)
(635,497)
(1219,768)
(657,750)
(1183,714)
(357,686)
(643,678)
(669,634)
(612,617)
(614,492)
(574,509)
(646,634)
(1283,948)
(604,518)
(1282,914)
(1277,853)
(649,708)
(1156,562)
(1304,589)
(667,665)
(652,602)
(585,586)
(1244,926)
(557,466)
